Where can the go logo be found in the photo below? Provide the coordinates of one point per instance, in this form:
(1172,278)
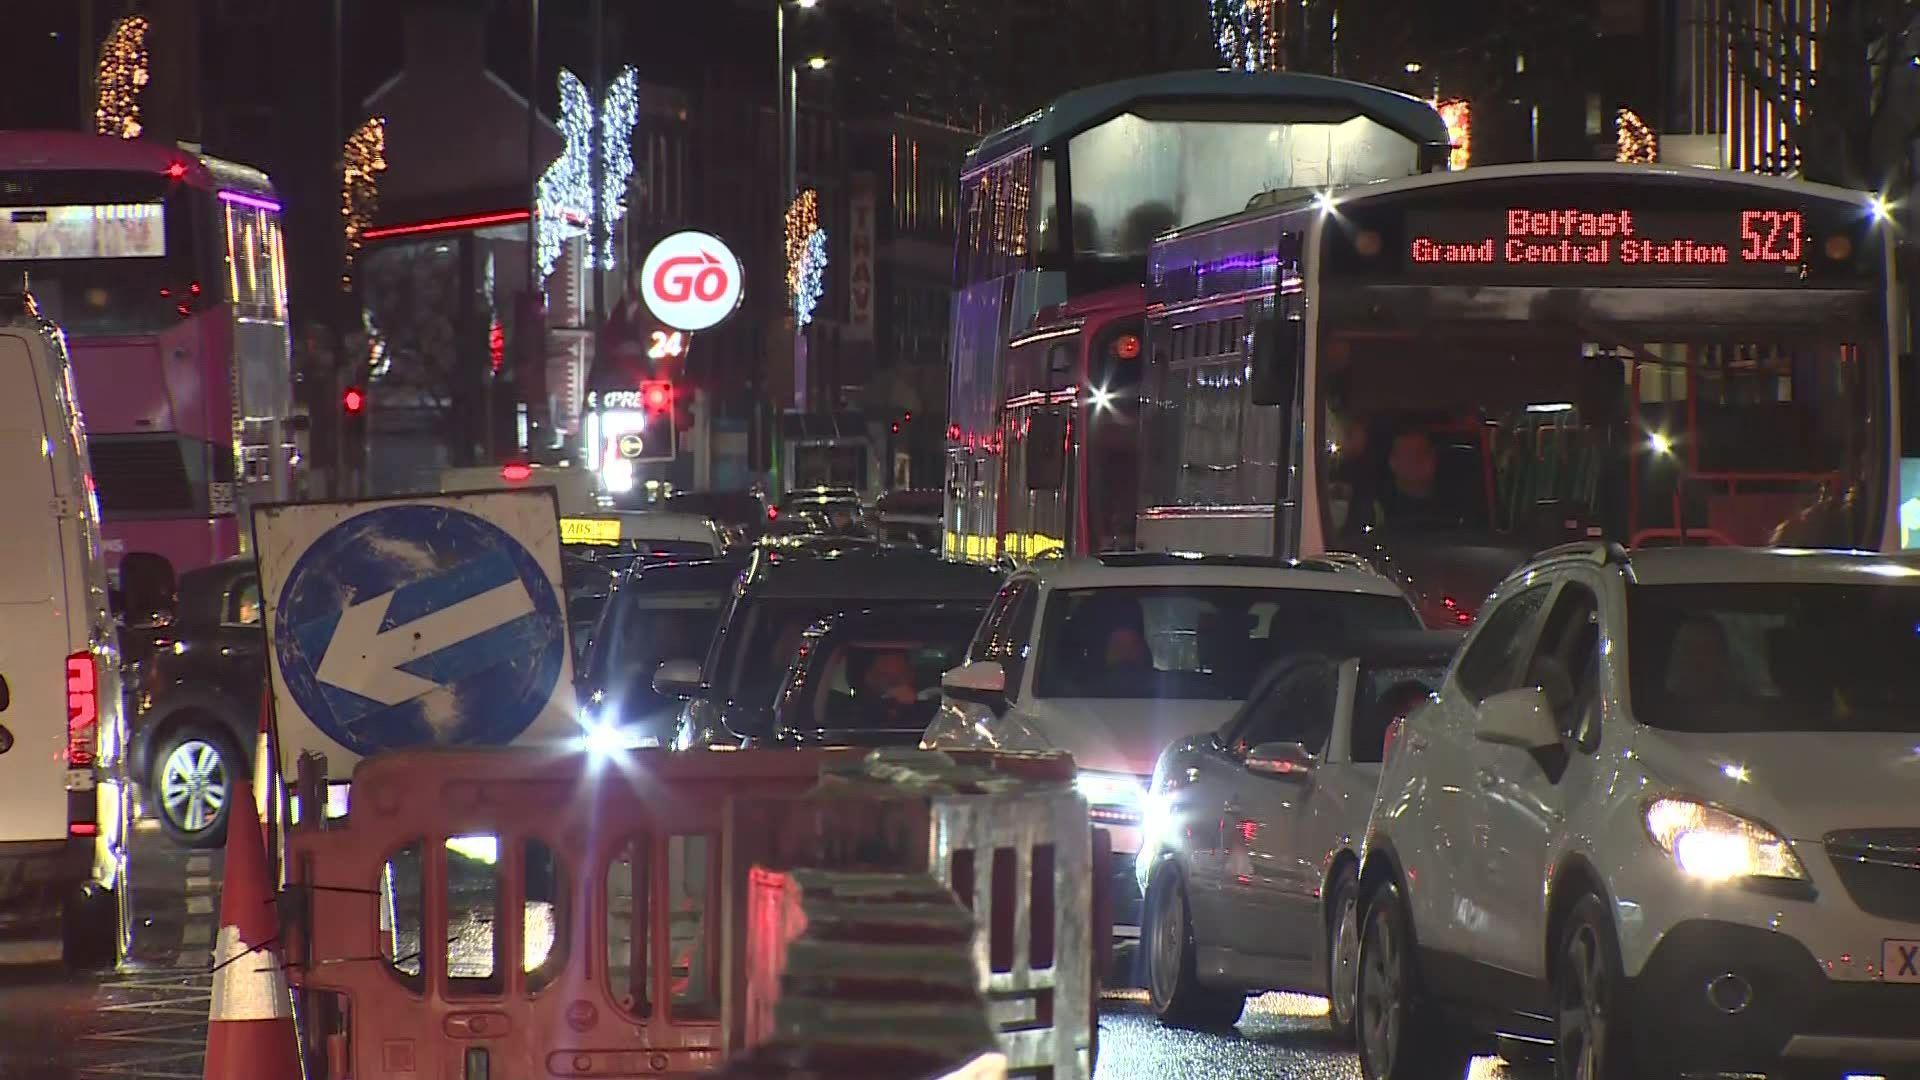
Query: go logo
(691,281)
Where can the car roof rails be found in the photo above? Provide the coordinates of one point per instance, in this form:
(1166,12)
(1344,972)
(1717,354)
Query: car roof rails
(1598,552)
(1190,558)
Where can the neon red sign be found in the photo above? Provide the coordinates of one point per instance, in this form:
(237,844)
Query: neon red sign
(1626,242)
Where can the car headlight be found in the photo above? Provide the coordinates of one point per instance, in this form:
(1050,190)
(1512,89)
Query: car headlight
(1711,844)
(1113,798)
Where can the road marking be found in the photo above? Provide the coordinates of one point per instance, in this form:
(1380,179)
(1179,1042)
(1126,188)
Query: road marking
(199,864)
(199,883)
(199,905)
(196,934)
(193,960)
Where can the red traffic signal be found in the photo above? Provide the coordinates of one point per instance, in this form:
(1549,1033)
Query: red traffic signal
(353,400)
(514,472)
(657,395)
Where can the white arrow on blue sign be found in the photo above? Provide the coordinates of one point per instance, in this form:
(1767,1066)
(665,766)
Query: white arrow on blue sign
(430,621)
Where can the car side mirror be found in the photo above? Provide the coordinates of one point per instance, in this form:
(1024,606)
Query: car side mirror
(983,681)
(1276,360)
(1521,717)
(677,678)
(1280,759)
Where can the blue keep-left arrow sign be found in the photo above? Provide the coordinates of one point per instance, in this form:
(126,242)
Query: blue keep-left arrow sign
(418,623)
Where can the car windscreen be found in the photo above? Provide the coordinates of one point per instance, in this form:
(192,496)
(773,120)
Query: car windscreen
(886,679)
(1775,657)
(762,647)
(1198,642)
(651,628)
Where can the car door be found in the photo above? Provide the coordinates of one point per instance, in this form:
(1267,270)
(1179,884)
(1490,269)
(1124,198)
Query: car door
(1204,780)
(1266,889)
(243,640)
(1436,808)
(1522,796)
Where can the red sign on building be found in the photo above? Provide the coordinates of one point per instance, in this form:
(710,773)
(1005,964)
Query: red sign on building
(860,264)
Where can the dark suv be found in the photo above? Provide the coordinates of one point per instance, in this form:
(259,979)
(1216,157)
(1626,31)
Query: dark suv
(785,590)
(198,705)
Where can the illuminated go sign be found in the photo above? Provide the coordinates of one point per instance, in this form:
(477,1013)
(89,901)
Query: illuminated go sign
(1751,241)
(691,281)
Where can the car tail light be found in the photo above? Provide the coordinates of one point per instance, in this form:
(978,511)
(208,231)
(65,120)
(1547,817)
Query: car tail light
(83,709)
(773,513)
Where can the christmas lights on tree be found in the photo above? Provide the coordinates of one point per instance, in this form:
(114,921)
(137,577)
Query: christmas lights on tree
(362,159)
(565,199)
(120,77)
(806,256)
(1458,116)
(1247,33)
(1635,143)
(619,111)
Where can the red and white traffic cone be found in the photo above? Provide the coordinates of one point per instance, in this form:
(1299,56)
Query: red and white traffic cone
(250,1032)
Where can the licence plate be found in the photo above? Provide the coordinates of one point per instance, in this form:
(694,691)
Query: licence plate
(1900,960)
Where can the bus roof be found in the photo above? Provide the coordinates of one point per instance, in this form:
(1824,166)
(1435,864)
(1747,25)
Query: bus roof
(38,151)
(1081,109)
(1682,174)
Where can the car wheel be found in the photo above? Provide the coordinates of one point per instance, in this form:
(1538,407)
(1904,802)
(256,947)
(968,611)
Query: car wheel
(90,930)
(1343,953)
(1173,988)
(193,774)
(1590,1037)
(1401,1035)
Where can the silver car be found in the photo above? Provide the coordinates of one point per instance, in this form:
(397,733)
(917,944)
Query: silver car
(1250,848)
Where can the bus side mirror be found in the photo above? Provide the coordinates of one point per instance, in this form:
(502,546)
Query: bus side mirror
(1276,359)
(1046,450)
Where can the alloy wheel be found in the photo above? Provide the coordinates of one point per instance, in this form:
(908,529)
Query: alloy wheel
(1345,953)
(1381,1008)
(1169,942)
(1582,1029)
(193,785)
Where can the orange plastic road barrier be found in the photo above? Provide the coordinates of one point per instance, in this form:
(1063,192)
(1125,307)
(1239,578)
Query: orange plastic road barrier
(250,1032)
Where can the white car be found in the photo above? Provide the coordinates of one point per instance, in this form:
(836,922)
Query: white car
(1114,658)
(1662,818)
(65,808)
(1250,863)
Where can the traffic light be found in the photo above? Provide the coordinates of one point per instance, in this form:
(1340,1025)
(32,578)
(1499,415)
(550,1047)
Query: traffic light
(657,396)
(353,401)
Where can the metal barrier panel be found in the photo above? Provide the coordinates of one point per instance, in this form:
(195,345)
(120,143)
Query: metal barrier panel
(1024,865)
(552,917)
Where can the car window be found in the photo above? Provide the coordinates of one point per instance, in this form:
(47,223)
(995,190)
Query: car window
(243,603)
(1492,662)
(1005,629)
(1298,707)
(1197,642)
(1383,694)
(1566,663)
(883,683)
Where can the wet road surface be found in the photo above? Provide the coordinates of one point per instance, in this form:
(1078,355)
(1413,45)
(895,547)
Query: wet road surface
(147,1020)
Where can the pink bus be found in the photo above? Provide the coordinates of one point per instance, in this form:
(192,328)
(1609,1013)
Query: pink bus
(167,271)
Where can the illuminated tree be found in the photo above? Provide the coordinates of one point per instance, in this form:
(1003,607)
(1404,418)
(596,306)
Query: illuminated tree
(362,160)
(120,78)
(1634,142)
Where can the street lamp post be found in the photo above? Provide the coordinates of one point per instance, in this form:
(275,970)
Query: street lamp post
(787,113)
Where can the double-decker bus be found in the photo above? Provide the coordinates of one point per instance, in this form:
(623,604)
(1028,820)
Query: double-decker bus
(167,271)
(1056,215)
(1445,373)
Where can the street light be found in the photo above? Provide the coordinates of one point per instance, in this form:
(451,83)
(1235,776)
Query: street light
(816,63)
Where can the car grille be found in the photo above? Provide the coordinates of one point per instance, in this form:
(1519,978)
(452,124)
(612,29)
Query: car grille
(1881,870)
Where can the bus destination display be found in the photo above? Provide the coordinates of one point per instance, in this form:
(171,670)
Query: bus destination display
(1622,242)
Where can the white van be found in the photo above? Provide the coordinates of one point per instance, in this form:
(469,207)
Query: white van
(65,814)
